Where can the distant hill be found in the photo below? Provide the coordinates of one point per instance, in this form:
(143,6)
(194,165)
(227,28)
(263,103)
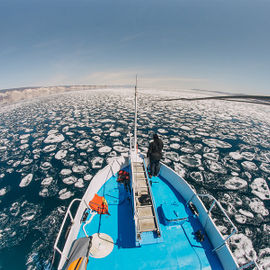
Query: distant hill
(8,96)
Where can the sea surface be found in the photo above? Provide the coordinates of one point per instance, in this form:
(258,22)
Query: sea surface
(51,147)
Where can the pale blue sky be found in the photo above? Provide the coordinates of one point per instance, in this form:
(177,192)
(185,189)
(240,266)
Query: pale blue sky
(221,45)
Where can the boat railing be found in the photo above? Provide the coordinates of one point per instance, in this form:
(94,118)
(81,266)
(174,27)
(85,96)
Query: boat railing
(215,202)
(235,230)
(97,181)
(220,246)
(68,214)
(247,265)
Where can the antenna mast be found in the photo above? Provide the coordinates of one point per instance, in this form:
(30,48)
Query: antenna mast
(135,121)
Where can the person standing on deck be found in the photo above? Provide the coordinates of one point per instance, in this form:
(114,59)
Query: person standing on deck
(155,154)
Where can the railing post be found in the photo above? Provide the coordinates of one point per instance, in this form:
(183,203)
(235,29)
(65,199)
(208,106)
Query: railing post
(249,264)
(68,213)
(229,236)
(70,216)
(191,198)
(211,207)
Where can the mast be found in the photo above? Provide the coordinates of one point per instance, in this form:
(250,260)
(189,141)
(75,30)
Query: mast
(135,120)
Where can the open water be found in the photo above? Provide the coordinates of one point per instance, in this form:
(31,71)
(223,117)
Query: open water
(51,147)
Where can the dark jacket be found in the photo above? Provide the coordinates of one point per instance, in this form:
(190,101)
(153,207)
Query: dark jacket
(155,150)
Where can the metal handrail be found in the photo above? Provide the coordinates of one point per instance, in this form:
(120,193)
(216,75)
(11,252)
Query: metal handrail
(68,213)
(249,264)
(215,201)
(89,221)
(235,230)
(152,198)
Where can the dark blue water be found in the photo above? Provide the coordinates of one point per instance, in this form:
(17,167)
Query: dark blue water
(219,148)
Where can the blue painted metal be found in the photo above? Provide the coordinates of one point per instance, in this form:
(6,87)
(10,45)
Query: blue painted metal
(179,250)
(173,213)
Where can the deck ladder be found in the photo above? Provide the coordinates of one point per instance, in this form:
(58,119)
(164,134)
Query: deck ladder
(144,213)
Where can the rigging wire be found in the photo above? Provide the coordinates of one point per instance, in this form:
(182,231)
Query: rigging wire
(257,99)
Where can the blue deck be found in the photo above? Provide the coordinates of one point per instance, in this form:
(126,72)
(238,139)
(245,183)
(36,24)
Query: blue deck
(179,248)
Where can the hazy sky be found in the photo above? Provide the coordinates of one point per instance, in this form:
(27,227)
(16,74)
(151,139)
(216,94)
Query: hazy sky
(217,45)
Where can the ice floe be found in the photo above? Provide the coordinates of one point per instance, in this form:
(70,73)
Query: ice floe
(260,188)
(70,180)
(175,146)
(65,194)
(3,191)
(87,177)
(246,213)
(190,160)
(29,215)
(188,149)
(79,183)
(263,157)
(61,154)
(14,209)
(79,168)
(115,134)
(171,156)
(104,149)
(65,172)
(265,167)
(49,148)
(26,180)
(3,148)
(257,206)
(179,169)
(24,146)
(242,219)
(97,138)
(24,136)
(235,183)
(242,248)
(120,148)
(197,176)
(45,166)
(215,167)
(248,155)
(47,181)
(264,258)
(186,128)
(248,165)
(216,143)
(97,131)
(52,131)
(97,162)
(17,163)
(212,156)
(54,138)
(106,120)
(175,139)
(65,129)
(162,131)
(84,144)
(231,164)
